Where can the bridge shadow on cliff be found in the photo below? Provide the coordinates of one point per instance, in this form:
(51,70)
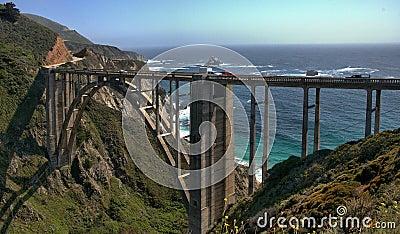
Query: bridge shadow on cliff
(16,142)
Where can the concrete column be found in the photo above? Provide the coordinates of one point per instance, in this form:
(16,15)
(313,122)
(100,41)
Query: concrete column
(266,135)
(171,109)
(229,152)
(377,112)
(79,83)
(317,120)
(157,110)
(153,84)
(59,105)
(252,177)
(199,209)
(177,126)
(139,87)
(207,204)
(368,119)
(304,141)
(65,98)
(50,116)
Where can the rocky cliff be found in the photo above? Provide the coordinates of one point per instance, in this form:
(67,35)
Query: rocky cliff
(58,53)
(110,52)
(363,176)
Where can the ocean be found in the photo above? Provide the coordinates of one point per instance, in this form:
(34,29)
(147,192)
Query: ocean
(342,111)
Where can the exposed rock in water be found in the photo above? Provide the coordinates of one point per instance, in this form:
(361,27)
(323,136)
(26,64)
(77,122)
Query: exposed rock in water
(312,73)
(213,61)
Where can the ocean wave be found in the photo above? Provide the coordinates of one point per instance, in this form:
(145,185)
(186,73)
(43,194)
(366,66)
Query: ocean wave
(153,61)
(245,163)
(351,69)
(155,68)
(242,66)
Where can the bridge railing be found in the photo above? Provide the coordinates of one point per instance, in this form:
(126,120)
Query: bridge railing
(272,80)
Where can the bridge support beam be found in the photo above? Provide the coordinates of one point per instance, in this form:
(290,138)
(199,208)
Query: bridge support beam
(207,204)
(368,119)
(50,116)
(252,164)
(377,111)
(317,133)
(157,110)
(177,127)
(265,158)
(304,139)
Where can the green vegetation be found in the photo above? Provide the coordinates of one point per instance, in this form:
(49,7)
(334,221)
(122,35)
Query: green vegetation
(364,176)
(23,46)
(9,12)
(101,191)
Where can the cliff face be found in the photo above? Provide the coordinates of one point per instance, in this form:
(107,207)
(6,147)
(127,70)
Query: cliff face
(363,176)
(58,54)
(110,52)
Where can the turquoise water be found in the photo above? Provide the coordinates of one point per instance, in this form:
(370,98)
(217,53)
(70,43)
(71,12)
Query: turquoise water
(342,111)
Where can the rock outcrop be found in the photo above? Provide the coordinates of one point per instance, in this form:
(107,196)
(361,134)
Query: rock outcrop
(58,54)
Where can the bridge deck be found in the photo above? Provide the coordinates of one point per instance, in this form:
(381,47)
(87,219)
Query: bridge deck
(278,81)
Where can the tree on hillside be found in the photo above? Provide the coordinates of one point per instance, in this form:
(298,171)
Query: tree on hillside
(9,12)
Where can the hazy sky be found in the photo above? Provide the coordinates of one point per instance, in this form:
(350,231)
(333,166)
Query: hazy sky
(131,23)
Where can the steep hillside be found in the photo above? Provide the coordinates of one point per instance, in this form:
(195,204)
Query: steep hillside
(76,42)
(66,33)
(24,46)
(364,176)
(102,191)
(110,52)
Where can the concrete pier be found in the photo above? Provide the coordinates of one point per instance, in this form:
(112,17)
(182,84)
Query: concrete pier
(252,124)
(265,174)
(207,204)
(377,112)
(157,100)
(368,119)
(304,138)
(317,134)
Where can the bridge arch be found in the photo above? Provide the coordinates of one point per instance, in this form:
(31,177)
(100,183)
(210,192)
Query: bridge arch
(62,124)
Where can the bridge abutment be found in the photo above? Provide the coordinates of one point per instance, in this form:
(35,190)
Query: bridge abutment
(208,203)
